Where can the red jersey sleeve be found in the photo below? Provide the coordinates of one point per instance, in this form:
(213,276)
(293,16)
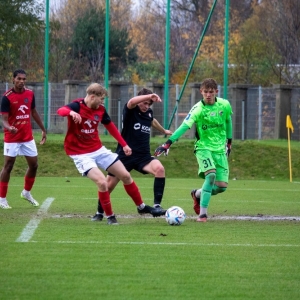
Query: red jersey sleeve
(113,130)
(64,111)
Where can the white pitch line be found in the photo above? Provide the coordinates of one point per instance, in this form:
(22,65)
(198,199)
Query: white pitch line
(237,218)
(172,244)
(262,218)
(33,224)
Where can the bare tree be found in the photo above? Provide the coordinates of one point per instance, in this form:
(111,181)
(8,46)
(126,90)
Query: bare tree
(281,28)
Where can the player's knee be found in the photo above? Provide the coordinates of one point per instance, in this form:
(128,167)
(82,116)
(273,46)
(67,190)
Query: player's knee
(219,187)
(33,167)
(209,182)
(210,178)
(126,178)
(8,168)
(102,185)
(217,190)
(160,171)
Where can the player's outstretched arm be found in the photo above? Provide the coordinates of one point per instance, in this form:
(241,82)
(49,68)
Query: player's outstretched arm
(155,124)
(133,102)
(114,132)
(155,98)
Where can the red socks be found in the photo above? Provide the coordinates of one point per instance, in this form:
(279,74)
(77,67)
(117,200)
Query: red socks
(28,183)
(104,199)
(3,189)
(133,191)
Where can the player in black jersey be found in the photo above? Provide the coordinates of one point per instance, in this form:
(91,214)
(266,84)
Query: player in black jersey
(137,121)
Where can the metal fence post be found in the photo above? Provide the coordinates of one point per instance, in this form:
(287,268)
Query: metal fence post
(49,106)
(119,115)
(177,95)
(243,120)
(219,91)
(259,112)
(134,90)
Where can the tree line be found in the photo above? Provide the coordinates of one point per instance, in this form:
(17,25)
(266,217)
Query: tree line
(264,40)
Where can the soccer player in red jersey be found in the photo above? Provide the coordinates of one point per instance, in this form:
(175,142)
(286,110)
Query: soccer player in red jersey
(137,120)
(17,105)
(83,145)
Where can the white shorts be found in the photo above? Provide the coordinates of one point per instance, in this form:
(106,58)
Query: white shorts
(102,158)
(14,149)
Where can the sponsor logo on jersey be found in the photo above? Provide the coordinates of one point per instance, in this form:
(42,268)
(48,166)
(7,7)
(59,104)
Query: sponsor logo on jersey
(22,117)
(22,108)
(88,122)
(87,130)
(145,129)
(137,126)
(205,127)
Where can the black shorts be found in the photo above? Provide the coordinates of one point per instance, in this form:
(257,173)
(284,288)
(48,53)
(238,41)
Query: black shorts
(135,162)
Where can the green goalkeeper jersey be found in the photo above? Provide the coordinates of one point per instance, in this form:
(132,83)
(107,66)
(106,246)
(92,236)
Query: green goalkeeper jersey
(213,125)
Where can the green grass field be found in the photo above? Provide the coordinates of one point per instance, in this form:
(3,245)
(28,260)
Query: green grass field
(250,159)
(249,248)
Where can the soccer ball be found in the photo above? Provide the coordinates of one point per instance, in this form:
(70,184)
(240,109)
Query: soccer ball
(175,215)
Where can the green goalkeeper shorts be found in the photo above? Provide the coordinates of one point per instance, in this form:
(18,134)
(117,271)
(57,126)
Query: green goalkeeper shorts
(208,160)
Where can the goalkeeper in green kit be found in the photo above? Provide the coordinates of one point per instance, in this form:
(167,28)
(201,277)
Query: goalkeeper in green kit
(212,119)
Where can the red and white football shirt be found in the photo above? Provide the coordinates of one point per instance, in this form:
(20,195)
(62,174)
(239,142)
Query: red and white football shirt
(18,107)
(84,137)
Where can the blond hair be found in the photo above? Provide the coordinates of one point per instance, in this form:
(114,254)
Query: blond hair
(96,89)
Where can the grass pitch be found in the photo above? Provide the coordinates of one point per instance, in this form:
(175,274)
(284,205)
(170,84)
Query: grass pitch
(248,249)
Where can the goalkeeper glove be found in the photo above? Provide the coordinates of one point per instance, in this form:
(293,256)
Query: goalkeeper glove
(228,147)
(163,149)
